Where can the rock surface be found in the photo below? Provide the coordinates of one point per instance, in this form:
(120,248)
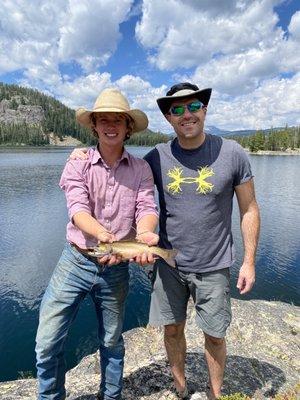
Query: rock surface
(54,140)
(262,342)
(28,114)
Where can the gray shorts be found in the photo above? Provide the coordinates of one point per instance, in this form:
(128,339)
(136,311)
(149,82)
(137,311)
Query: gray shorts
(209,290)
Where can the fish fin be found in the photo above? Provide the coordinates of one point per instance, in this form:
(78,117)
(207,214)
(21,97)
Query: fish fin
(94,253)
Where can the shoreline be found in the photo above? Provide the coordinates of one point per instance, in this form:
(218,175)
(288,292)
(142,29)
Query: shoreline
(295,152)
(70,145)
(262,361)
(55,147)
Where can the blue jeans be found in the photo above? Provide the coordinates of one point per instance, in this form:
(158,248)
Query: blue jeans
(74,277)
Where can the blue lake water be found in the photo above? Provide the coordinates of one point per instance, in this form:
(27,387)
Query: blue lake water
(32,229)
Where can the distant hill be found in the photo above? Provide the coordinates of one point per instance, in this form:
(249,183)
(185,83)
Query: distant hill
(32,118)
(247,132)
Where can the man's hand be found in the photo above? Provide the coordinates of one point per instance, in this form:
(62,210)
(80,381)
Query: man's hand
(246,278)
(106,237)
(147,237)
(144,259)
(151,239)
(79,154)
(109,260)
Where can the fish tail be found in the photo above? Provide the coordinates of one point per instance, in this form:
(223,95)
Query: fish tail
(170,258)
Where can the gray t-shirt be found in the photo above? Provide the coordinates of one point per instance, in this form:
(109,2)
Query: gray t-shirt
(195,189)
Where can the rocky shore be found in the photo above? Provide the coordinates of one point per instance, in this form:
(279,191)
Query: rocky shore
(287,152)
(263,360)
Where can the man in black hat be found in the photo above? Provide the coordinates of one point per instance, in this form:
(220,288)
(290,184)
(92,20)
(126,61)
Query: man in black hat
(196,175)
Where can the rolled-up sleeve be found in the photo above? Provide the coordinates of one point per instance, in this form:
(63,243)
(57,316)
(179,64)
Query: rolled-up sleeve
(145,202)
(74,185)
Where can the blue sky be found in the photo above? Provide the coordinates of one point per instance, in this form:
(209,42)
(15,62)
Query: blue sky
(248,51)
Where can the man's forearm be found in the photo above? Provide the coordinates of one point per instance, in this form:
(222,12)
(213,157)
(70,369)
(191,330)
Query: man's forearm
(147,223)
(250,226)
(88,224)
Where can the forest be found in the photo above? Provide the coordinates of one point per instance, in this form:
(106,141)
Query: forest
(272,140)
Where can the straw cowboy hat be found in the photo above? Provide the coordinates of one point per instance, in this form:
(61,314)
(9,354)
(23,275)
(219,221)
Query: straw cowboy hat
(183,90)
(112,100)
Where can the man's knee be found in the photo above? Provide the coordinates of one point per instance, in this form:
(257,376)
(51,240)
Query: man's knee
(214,341)
(174,331)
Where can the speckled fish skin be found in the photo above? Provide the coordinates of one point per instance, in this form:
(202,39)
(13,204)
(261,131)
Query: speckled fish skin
(130,249)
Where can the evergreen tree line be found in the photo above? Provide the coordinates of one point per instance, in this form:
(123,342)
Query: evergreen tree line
(148,138)
(31,135)
(274,140)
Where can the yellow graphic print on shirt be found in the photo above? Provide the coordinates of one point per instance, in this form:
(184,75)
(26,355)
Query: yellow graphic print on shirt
(203,186)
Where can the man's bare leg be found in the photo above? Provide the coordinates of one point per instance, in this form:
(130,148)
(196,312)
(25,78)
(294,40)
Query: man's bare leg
(215,354)
(175,344)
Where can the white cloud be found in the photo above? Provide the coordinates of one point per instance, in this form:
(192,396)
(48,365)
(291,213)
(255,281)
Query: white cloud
(294,27)
(204,31)
(28,33)
(90,32)
(240,73)
(132,84)
(274,103)
(58,31)
(83,91)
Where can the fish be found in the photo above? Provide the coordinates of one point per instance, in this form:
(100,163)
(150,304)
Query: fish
(128,249)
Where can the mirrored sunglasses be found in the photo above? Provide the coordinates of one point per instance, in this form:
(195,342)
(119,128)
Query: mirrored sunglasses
(194,106)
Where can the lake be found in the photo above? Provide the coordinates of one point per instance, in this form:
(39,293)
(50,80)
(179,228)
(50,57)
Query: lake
(32,232)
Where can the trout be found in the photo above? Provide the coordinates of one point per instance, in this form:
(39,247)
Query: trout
(128,249)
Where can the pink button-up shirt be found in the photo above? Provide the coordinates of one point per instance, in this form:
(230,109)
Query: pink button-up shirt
(117,197)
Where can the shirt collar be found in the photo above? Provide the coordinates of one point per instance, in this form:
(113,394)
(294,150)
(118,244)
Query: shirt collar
(97,156)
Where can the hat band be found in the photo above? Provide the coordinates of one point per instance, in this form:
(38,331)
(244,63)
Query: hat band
(107,108)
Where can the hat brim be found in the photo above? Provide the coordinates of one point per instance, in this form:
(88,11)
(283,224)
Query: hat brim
(140,119)
(164,103)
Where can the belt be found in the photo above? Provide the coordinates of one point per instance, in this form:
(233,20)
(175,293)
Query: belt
(85,252)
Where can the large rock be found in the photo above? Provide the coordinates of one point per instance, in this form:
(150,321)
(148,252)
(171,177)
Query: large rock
(28,114)
(263,359)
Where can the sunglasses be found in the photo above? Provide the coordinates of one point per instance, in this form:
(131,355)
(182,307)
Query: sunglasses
(193,107)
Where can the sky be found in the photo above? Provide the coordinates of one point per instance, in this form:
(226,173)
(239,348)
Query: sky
(247,51)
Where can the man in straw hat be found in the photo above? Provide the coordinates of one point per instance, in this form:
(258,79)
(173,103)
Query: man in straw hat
(110,196)
(196,175)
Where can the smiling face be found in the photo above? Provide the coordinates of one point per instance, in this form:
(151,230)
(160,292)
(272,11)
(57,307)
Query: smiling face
(188,126)
(111,128)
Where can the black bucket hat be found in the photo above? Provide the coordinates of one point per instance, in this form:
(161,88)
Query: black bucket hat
(183,90)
